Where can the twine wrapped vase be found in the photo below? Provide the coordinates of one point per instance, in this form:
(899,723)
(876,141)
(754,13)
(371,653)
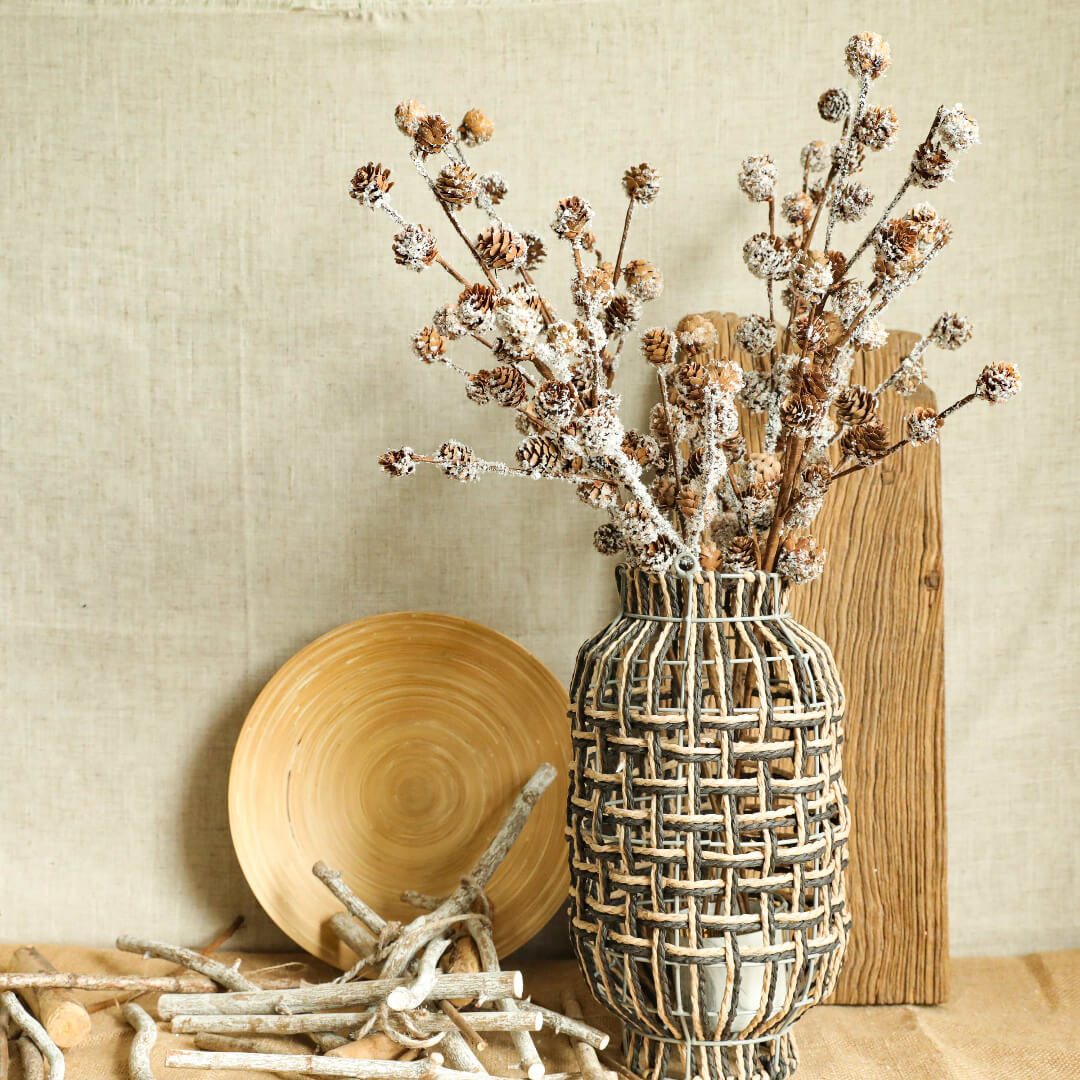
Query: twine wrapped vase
(708,823)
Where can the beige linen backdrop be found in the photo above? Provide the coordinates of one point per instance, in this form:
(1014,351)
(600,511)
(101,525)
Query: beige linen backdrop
(205,346)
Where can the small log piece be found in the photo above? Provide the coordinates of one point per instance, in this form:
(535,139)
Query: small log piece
(316,1065)
(32,1030)
(376,1044)
(142,1043)
(65,1019)
(588,1062)
(336,995)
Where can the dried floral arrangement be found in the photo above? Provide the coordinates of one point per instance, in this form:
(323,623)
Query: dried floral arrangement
(688,491)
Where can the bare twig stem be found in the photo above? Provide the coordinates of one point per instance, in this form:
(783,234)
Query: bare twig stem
(413,993)
(570,1027)
(314,1065)
(468,1032)
(352,933)
(337,995)
(352,903)
(451,271)
(427,1023)
(420,900)
(622,244)
(588,1063)
(153,984)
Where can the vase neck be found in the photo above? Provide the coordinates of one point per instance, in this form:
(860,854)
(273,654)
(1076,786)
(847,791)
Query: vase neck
(702,595)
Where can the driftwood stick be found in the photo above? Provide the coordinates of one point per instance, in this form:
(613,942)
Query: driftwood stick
(222,974)
(229,977)
(428,1023)
(65,1019)
(412,994)
(356,907)
(253,1046)
(425,927)
(211,947)
(468,1032)
(314,1065)
(530,1061)
(349,930)
(145,1037)
(459,1055)
(33,1065)
(337,995)
(151,984)
(423,901)
(588,1062)
(32,1030)
(571,1028)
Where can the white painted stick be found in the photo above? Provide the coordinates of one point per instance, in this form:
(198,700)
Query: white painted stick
(145,1037)
(354,934)
(459,1054)
(152,984)
(333,880)
(412,994)
(588,1062)
(527,1019)
(337,995)
(10,1004)
(316,1065)
(571,1028)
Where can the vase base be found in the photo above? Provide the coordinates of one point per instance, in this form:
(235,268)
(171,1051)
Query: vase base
(661,1059)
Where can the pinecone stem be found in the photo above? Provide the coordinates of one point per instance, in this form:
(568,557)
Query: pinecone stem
(676,472)
(451,271)
(841,174)
(793,453)
(468,243)
(622,244)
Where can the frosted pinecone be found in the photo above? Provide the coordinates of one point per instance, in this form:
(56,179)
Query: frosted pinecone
(800,560)
(951,331)
(877,127)
(834,105)
(399,462)
(998,382)
(756,334)
(458,461)
(757,177)
(415,247)
(814,156)
(608,539)
(853,200)
(867,54)
(922,425)
(957,129)
(767,257)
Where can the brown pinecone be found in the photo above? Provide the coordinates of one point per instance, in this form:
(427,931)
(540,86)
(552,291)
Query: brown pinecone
(838,262)
(896,240)
(414,247)
(696,334)
(922,425)
(689,501)
(541,452)
(695,464)
(429,344)
(475,304)
(800,413)
(456,186)
(370,183)
(658,423)
(599,493)
(658,345)
(764,469)
(535,251)
(457,461)
(556,402)
(865,442)
(475,128)
(691,379)
(655,556)
(643,280)
(608,539)
(855,405)
(432,134)
(408,115)
(494,185)
(620,314)
(710,556)
(816,480)
(797,208)
(505,384)
(642,448)
(813,379)
(833,105)
(997,382)
(931,166)
(663,492)
(572,217)
(642,183)
(740,555)
(476,391)
(398,462)
(501,249)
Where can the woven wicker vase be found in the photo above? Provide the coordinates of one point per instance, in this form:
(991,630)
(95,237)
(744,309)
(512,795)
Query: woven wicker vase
(708,823)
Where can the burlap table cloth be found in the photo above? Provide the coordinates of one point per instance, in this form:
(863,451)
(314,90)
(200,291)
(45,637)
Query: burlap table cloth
(1015,1017)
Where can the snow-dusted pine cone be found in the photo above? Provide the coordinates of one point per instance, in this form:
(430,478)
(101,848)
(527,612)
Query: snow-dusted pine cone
(602,494)
(800,560)
(572,217)
(556,402)
(370,184)
(456,186)
(540,453)
(833,105)
(865,442)
(643,280)
(501,249)
(458,461)
(740,555)
(867,54)
(855,405)
(642,183)
(620,314)
(408,115)
(415,247)
(877,127)
(398,462)
(608,539)
(476,305)
(997,382)
(429,344)
(931,166)
(757,177)
(922,425)
(432,134)
(951,331)
(505,384)
(475,128)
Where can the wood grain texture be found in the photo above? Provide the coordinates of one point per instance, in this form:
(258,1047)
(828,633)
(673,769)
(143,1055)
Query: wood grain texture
(880,606)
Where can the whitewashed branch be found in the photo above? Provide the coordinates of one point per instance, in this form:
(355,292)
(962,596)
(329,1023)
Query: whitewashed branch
(315,1065)
(145,1037)
(10,1004)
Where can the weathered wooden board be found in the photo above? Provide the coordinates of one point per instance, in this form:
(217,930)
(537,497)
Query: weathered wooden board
(880,606)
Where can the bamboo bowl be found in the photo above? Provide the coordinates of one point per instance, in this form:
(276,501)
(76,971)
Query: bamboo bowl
(391,748)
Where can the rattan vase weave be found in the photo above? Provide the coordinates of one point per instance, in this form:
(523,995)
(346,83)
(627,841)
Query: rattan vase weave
(708,823)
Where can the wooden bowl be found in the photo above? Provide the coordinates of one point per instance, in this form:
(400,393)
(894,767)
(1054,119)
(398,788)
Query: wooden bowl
(391,748)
